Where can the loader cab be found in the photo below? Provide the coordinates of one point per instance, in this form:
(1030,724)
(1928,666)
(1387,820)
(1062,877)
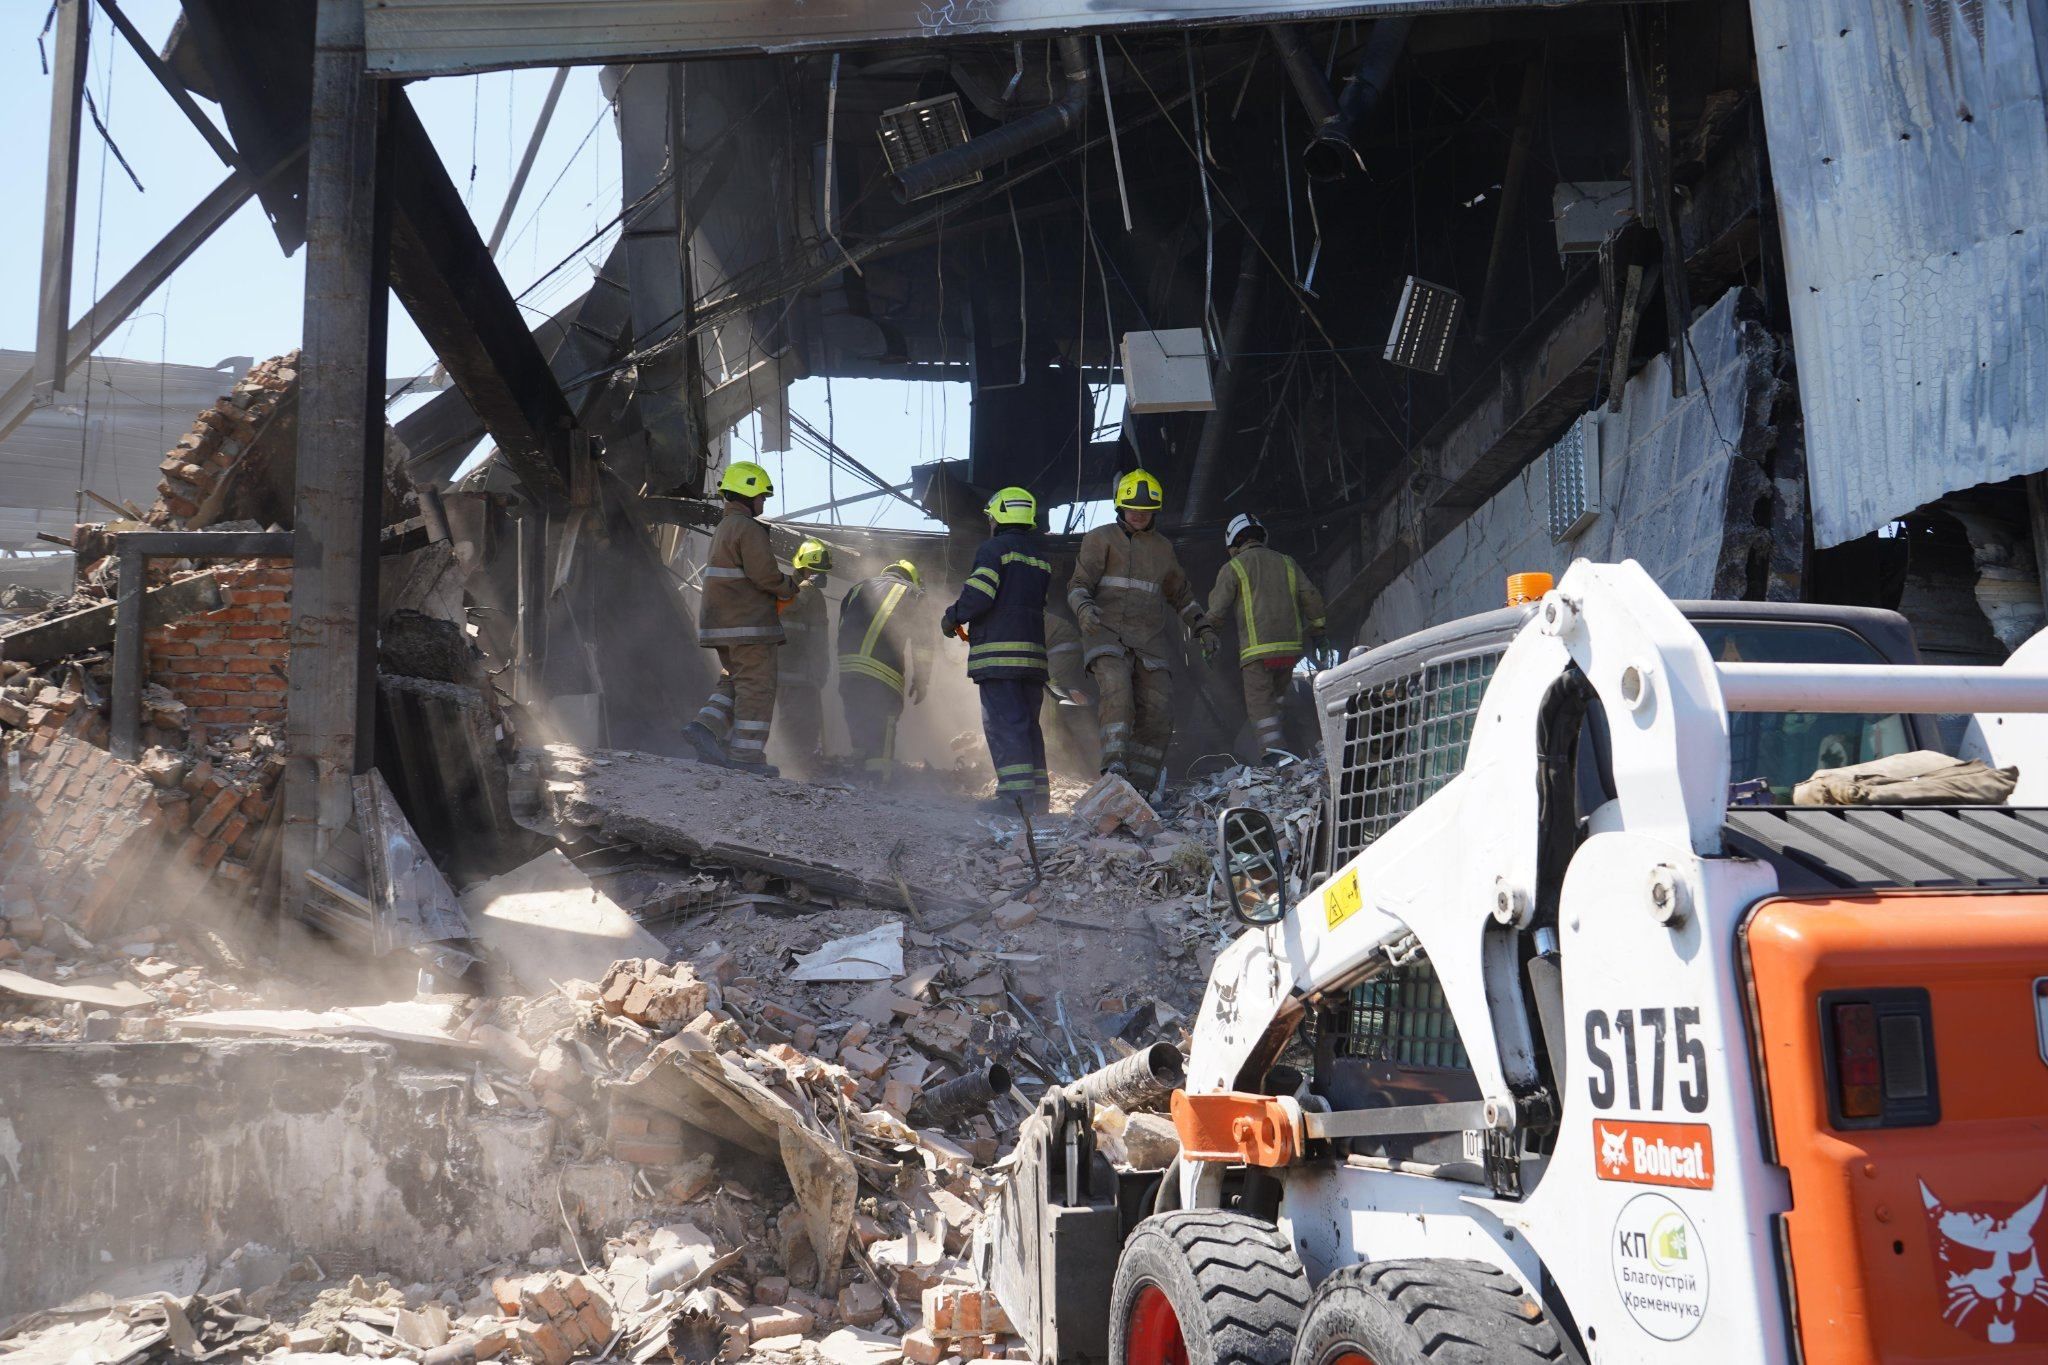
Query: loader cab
(1397,721)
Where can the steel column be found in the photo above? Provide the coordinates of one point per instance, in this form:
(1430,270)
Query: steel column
(60,195)
(340,457)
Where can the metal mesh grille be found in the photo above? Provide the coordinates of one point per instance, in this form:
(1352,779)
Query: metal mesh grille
(1403,739)
(1573,483)
(921,130)
(1400,1016)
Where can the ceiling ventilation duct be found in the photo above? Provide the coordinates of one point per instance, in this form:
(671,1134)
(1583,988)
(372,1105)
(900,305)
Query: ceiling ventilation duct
(962,164)
(916,132)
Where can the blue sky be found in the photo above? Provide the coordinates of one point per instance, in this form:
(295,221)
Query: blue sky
(240,296)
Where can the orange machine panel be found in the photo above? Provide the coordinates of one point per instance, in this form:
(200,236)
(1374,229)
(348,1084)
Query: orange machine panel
(1923,1243)
(1232,1126)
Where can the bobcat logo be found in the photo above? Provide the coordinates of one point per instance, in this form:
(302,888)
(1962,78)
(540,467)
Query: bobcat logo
(1614,1149)
(1993,1266)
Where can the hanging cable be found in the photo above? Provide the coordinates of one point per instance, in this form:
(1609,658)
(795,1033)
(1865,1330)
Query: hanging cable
(476,102)
(1084,414)
(107,137)
(832,155)
(98,237)
(1215,332)
(1116,146)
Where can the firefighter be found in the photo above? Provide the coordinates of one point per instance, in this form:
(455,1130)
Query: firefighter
(805,666)
(883,660)
(743,587)
(1122,574)
(1276,609)
(1003,608)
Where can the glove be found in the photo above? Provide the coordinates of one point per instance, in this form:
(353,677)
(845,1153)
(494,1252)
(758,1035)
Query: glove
(1090,617)
(947,625)
(1209,644)
(1317,643)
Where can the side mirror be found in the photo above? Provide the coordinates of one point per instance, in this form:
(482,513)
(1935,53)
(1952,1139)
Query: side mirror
(1253,865)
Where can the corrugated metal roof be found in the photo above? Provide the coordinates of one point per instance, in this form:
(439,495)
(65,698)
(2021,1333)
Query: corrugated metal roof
(1909,146)
(116,422)
(440,37)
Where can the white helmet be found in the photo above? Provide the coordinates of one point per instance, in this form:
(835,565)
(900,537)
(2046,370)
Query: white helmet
(1239,524)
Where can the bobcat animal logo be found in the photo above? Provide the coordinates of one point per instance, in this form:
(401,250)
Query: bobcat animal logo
(1614,1149)
(1994,1284)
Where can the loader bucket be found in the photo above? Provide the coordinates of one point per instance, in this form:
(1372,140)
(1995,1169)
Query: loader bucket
(1903,1041)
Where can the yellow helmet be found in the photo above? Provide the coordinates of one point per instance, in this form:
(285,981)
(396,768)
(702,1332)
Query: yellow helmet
(812,554)
(1012,507)
(745,479)
(1138,491)
(903,568)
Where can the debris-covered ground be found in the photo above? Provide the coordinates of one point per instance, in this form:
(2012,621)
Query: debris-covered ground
(753,1046)
(570,1051)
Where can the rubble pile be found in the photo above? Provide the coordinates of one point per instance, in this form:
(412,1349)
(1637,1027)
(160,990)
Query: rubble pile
(109,845)
(770,1040)
(767,1075)
(202,469)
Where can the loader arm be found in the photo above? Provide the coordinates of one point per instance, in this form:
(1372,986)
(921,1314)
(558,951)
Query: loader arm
(1460,872)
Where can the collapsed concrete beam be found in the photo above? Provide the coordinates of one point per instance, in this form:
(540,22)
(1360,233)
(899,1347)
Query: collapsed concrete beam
(42,642)
(839,842)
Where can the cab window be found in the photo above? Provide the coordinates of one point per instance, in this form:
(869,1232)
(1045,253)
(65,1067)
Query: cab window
(1785,748)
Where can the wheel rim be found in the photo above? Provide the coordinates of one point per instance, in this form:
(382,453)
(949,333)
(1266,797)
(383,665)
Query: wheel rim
(1154,1334)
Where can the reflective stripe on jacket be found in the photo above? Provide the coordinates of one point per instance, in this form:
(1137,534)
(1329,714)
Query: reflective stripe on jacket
(878,633)
(1003,605)
(742,583)
(1272,601)
(1131,576)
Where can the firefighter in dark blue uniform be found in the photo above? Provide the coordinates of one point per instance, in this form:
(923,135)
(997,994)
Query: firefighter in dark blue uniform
(1003,608)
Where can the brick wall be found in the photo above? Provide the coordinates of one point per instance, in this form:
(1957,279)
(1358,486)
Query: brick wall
(228,666)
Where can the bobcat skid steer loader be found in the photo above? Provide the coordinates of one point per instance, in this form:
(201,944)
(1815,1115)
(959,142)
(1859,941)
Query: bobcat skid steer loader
(1583,1051)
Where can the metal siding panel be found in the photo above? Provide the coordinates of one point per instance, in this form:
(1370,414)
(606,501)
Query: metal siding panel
(442,37)
(1911,164)
(136,411)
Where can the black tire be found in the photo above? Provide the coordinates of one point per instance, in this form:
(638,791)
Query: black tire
(1232,1282)
(1425,1312)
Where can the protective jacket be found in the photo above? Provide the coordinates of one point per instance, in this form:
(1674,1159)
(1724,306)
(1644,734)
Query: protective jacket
(1003,605)
(806,658)
(878,633)
(742,584)
(1272,601)
(1127,575)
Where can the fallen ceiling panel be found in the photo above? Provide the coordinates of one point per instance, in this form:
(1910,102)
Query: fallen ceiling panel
(442,37)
